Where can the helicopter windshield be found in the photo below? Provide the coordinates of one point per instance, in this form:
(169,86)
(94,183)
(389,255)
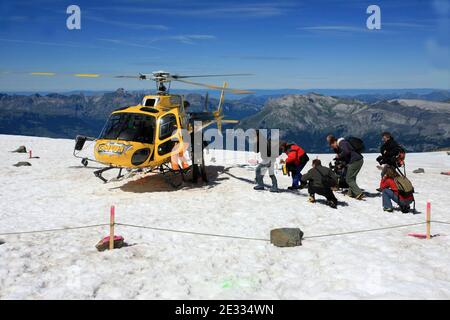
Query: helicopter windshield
(130,127)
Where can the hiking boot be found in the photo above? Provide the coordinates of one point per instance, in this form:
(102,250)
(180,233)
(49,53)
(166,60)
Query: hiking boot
(360,196)
(349,194)
(294,188)
(274,190)
(311,199)
(405,209)
(258,187)
(332,204)
(388,209)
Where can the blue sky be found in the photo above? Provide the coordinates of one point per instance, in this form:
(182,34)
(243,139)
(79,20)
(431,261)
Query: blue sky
(285,44)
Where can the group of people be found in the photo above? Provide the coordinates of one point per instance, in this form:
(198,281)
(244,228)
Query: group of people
(323,181)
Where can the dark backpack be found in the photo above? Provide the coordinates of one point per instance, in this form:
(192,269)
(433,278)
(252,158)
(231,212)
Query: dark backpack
(327,180)
(304,158)
(357,144)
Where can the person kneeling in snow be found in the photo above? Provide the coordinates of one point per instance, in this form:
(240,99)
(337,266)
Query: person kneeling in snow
(321,179)
(269,152)
(390,192)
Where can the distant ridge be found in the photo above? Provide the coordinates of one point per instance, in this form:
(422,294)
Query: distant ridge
(419,121)
(306,119)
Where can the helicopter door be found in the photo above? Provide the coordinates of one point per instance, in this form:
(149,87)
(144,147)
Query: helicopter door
(168,130)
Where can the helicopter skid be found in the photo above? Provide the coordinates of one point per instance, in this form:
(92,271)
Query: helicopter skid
(99,173)
(168,173)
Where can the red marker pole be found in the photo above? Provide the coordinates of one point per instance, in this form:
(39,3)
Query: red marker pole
(428,220)
(31,154)
(111,228)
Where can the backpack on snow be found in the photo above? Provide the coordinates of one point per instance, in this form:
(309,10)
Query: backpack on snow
(357,144)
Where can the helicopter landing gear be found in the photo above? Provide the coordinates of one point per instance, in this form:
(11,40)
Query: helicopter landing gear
(99,173)
(165,170)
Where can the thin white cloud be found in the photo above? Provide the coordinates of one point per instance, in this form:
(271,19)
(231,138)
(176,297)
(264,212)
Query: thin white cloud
(262,58)
(190,38)
(184,38)
(14,18)
(46,43)
(335,28)
(137,26)
(212,10)
(128,44)
(404,25)
(438,46)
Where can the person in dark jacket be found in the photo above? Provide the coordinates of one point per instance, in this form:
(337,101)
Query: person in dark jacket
(354,161)
(296,160)
(390,151)
(339,167)
(269,152)
(315,179)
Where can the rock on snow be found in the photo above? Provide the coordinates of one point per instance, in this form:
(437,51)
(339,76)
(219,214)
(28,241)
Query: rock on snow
(58,192)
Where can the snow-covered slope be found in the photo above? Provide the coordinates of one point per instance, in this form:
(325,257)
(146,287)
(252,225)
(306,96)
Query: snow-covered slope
(57,192)
(425,104)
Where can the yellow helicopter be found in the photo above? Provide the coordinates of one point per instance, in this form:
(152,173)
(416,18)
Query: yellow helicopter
(151,136)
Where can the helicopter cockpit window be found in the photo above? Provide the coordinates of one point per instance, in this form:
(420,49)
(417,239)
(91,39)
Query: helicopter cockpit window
(130,127)
(175,100)
(167,125)
(150,102)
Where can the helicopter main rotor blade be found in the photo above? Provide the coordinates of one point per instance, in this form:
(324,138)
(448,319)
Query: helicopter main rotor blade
(176,77)
(79,75)
(61,74)
(211,86)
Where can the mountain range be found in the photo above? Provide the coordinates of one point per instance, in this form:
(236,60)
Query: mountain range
(419,120)
(307,119)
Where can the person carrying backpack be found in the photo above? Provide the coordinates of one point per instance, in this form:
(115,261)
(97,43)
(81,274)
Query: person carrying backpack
(296,160)
(396,188)
(320,180)
(349,150)
(392,154)
(269,155)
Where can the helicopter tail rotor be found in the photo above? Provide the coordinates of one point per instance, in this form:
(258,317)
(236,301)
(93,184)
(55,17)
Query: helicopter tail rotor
(218,114)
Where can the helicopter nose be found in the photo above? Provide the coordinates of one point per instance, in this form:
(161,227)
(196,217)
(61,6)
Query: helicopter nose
(124,154)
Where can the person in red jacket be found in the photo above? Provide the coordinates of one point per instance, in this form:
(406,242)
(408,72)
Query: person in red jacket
(295,162)
(390,191)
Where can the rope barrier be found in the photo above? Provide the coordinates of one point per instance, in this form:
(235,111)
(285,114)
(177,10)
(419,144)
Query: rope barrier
(217,235)
(192,232)
(54,230)
(364,231)
(442,222)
